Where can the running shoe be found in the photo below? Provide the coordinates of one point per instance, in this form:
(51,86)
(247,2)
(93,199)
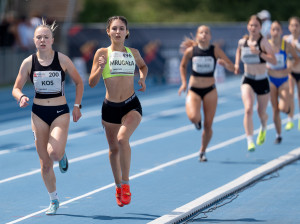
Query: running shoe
(251,147)
(54,205)
(198,125)
(125,194)
(289,125)
(202,157)
(278,140)
(118,196)
(63,164)
(261,137)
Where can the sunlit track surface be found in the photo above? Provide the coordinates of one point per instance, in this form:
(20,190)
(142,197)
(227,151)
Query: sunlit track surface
(165,171)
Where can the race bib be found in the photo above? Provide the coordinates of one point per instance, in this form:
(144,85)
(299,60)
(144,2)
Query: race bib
(280,62)
(121,63)
(47,82)
(248,57)
(203,64)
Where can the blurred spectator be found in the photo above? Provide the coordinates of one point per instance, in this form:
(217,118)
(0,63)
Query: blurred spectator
(265,17)
(87,51)
(154,60)
(25,34)
(35,20)
(8,31)
(84,63)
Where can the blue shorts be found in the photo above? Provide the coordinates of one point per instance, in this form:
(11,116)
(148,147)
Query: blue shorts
(278,81)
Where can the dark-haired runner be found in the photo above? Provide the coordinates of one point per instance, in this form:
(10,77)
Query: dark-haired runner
(121,109)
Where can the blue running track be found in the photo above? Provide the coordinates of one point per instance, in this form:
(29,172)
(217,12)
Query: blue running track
(165,171)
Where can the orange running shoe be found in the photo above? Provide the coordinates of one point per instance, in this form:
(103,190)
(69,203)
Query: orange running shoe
(118,196)
(125,195)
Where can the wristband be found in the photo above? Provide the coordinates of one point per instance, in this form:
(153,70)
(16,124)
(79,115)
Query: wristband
(21,98)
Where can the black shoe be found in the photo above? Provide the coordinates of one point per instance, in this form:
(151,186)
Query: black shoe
(198,125)
(278,140)
(202,157)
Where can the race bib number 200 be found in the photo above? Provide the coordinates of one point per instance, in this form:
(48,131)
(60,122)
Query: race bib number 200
(47,81)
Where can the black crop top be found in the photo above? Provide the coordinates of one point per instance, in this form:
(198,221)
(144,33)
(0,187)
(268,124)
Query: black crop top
(48,80)
(203,62)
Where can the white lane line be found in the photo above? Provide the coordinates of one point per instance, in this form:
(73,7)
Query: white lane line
(134,143)
(164,165)
(15,130)
(147,102)
(70,137)
(170,163)
(23,147)
(161,114)
(91,114)
(205,201)
(150,117)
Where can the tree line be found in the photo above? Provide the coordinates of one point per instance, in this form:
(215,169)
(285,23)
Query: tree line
(184,11)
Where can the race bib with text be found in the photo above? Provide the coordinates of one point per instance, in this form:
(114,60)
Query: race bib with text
(280,62)
(203,64)
(248,57)
(47,82)
(121,63)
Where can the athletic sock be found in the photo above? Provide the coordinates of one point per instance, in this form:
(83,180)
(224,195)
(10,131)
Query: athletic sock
(125,182)
(118,185)
(249,139)
(53,196)
(263,128)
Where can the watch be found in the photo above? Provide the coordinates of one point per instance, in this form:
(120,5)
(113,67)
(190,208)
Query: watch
(77,105)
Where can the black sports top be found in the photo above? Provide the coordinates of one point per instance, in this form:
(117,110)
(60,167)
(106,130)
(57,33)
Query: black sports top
(48,80)
(203,62)
(248,57)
